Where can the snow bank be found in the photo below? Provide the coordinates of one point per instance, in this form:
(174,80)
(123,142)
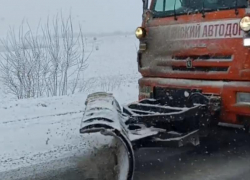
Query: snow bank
(46,130)
(39,130)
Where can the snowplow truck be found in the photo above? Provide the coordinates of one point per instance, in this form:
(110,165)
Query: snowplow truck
(194,58)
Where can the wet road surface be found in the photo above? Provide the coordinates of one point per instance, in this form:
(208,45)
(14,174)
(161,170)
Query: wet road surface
(220,157)
(225,156)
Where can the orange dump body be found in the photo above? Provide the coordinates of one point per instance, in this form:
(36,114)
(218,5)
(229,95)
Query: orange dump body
(195,52)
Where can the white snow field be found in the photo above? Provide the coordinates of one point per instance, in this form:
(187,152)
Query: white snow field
(34,131)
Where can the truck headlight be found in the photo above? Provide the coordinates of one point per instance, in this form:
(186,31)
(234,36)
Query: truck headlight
(243,97)
(245,23)
(246,42)
(140,32)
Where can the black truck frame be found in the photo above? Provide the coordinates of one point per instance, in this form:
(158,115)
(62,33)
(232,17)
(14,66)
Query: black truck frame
(151,122)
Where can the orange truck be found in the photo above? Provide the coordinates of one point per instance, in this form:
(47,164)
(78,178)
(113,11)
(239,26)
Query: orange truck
(197,45)
(194,57)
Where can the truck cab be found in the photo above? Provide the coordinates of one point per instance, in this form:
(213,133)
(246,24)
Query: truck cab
(201,46)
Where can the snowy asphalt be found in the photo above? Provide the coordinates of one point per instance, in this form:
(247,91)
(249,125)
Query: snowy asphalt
(225,156)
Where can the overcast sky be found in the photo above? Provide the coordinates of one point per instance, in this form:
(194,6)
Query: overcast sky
(94,15)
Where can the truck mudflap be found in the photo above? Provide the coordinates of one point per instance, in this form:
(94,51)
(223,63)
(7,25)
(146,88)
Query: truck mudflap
(147,123)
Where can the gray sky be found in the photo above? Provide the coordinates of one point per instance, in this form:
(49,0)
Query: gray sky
(94,15)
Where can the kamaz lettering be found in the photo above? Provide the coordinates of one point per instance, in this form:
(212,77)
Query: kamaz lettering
(211,30)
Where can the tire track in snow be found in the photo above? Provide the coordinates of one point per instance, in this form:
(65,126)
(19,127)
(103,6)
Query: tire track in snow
(37,117)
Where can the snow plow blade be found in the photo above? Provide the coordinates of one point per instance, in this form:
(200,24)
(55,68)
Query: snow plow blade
(103,115)
(147,123)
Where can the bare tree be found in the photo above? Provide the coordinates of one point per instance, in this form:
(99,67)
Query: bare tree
(104,83)
(49,64)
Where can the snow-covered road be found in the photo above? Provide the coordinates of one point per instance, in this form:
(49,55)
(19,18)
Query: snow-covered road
(45,139)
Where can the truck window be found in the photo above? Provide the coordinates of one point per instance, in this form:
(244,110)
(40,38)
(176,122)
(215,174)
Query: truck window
(169,5)
(166,7)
